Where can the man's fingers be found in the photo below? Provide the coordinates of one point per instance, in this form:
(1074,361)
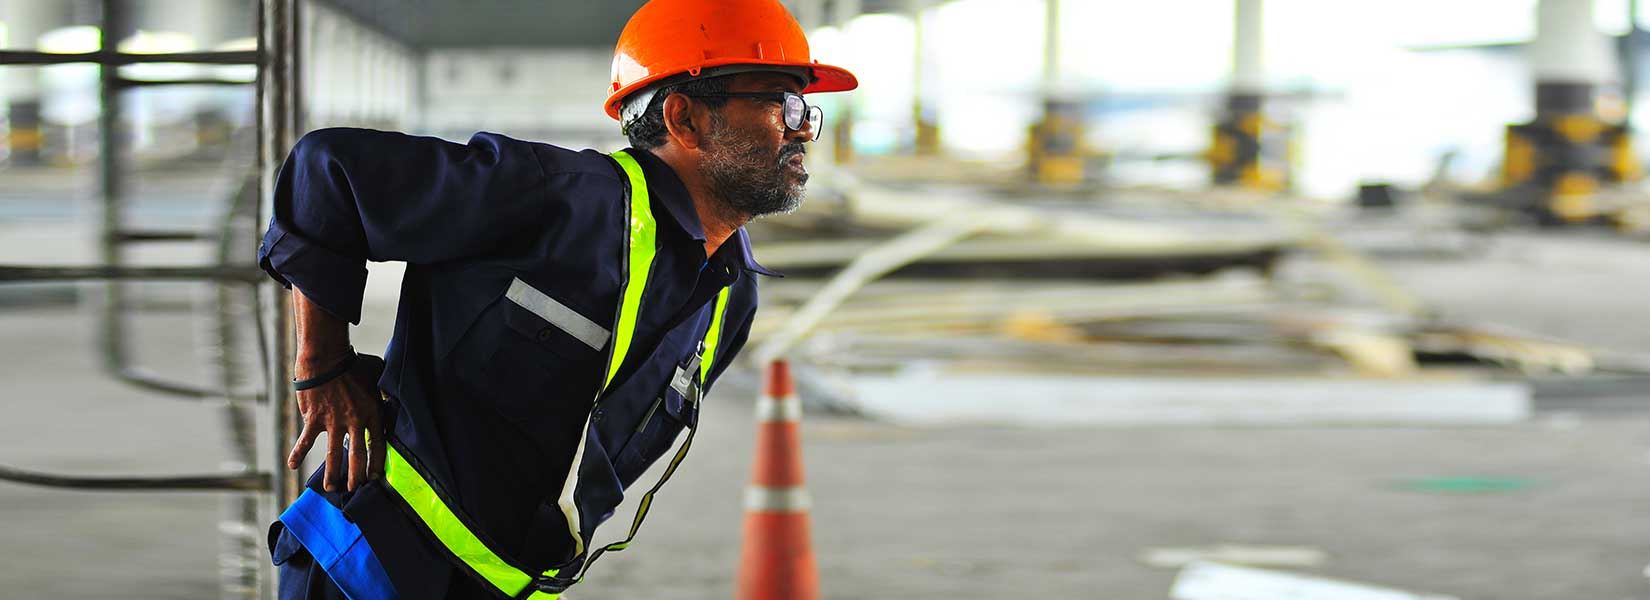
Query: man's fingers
(300,449)
(335,456)
(378,449)
(357,458)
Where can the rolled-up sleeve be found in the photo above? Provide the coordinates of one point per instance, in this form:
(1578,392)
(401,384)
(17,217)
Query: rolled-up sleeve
(346,196)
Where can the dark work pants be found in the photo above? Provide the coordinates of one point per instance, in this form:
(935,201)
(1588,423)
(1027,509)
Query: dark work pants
(419,570)
(301,579)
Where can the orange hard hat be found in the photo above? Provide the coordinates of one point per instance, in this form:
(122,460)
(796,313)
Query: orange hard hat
(670,38)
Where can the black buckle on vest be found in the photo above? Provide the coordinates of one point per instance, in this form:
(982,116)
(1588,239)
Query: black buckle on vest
(546,584)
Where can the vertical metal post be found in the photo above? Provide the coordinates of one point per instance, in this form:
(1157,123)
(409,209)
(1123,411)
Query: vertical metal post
(295,79)
(842,143)
(280,116)
(278,123)
(111,186)
(1248,49)
(242,526)
(1248,149)
(1051,47)
(1630,60)
(926,138)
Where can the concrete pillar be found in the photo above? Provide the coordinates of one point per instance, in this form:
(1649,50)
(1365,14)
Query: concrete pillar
(1556,163)
(370,58)
(210,22)
(26,21)
(843,11)
(1570,58)
(1248,86)
(1248,45)
(176,115)
(1051,46)
(218,22)
(1057,155)
(324,64)
(842,133)
(810,14)
(395,93)
(924,108)
(347,54)
(1248,149)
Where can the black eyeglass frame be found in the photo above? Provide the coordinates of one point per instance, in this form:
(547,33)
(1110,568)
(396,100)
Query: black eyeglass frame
(814,115)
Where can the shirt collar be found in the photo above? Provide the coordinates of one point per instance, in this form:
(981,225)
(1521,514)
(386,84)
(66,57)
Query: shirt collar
(738,251)
(668,191)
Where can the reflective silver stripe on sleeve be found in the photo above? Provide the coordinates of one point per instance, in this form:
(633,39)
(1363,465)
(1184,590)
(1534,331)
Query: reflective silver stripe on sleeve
(559,315)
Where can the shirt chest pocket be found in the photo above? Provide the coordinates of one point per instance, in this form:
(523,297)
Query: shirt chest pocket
(540,354)
(675,408)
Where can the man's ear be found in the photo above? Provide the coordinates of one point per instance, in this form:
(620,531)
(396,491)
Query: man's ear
(680,114)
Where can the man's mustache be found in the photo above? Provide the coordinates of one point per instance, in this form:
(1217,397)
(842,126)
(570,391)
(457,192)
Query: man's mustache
(791,149)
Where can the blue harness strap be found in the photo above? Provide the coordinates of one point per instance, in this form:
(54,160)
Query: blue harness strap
(338,547)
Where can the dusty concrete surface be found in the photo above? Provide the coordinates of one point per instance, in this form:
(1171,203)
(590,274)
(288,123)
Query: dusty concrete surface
(901,513)
(63,415)
(934,513)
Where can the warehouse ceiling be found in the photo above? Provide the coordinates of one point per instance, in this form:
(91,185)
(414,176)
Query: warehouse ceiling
(494,23)
(490,23)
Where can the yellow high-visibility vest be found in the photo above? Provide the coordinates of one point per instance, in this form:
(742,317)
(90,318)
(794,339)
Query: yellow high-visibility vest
(446,523)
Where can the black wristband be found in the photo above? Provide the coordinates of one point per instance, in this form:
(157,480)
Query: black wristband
(343,367)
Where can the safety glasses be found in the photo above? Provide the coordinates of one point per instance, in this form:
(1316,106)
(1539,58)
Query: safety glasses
(797,111)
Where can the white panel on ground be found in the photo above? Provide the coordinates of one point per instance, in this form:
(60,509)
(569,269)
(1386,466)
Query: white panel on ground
(1239,554)
(1212,581)
(933,397)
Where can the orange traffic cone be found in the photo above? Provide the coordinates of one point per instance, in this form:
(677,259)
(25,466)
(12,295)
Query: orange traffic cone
(778,558)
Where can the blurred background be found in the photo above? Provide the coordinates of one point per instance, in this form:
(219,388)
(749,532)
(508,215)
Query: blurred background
(1185,299)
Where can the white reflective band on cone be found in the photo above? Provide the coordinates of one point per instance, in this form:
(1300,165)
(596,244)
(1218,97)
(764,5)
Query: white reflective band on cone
(788,408)
(777,499)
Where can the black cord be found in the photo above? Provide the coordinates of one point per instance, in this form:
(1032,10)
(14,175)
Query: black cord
(343,367)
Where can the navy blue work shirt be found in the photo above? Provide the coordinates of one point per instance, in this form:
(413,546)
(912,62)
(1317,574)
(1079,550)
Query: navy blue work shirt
(489,396)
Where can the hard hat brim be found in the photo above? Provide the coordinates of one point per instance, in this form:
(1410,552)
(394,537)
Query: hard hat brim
(826,78)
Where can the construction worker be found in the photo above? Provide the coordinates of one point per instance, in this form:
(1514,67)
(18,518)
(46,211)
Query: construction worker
(561,316)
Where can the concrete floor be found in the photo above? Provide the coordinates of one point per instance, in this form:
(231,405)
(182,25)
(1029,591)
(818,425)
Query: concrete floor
(941,512)
(902,513)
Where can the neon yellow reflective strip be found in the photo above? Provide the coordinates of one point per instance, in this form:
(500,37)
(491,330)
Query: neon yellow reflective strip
(440,520)
(714,336)
(643,233)
(645,505)
(711,338)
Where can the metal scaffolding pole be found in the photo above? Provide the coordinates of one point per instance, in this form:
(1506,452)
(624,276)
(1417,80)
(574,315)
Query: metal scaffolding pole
(242,561)
(278,104)
(280,116)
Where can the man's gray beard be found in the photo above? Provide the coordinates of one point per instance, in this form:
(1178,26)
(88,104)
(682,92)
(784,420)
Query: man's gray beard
(749,179)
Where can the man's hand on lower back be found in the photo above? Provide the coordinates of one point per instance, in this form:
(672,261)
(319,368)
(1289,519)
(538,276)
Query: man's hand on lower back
(347,408)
